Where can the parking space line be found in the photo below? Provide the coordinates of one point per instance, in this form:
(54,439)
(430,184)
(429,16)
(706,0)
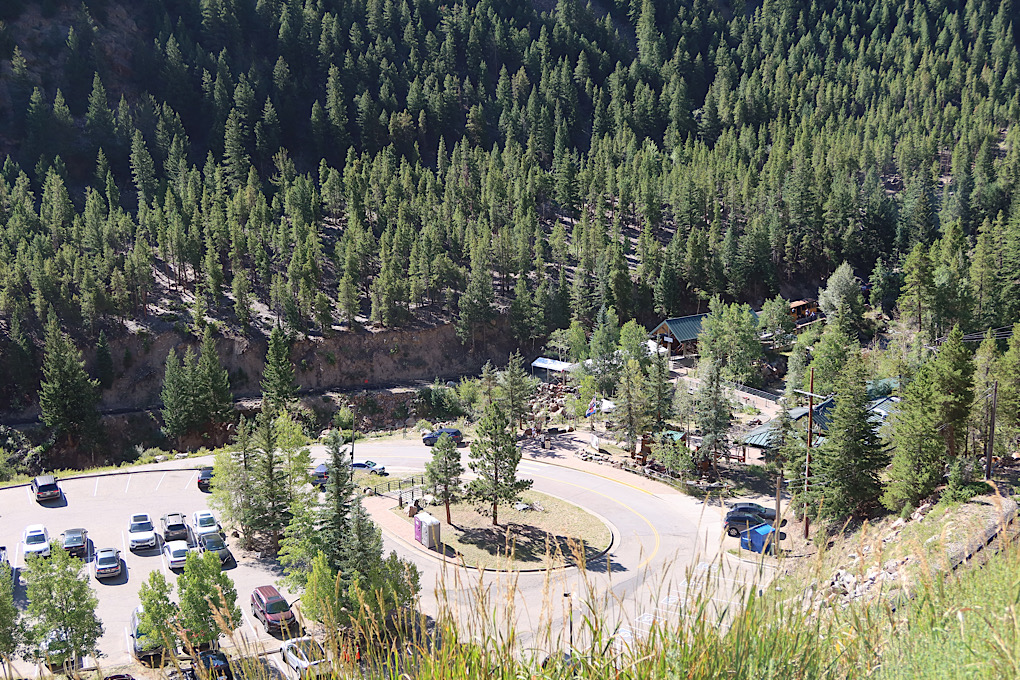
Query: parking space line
(127,484)
(252,627)
(96,490)
(160,482)
(123,544)
(189,479)
(28,492)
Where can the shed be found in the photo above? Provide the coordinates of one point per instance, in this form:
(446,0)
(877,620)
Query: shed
(552,365)
(680,334)
(759,539)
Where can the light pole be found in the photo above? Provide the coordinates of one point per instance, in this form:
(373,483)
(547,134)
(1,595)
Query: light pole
(570,618)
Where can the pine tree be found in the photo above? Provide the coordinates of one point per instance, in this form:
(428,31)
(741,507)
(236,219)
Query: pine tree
(660,391)
(444,470)
(852,457)
(494,459)
(916,299)
(713,413)
(1009,386)
(340,494)
(177,396)
(278,388)
(104,361)
(953,372)
(919,455)
(269,480)
(476,304)
(67,396)
(516,389)
(213,383)
(632,406)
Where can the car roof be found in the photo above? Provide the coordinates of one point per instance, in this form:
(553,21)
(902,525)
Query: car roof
(140,517)
(35,529)
(77,530)
(321,467)
(176,545)
(106,552)
(45,479)
(268,592)
(205,471)
(171,515)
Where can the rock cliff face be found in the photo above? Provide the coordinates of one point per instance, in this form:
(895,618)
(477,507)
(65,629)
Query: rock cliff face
(344,361)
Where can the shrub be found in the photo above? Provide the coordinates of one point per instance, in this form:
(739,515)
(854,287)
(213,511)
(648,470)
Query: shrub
(437,402)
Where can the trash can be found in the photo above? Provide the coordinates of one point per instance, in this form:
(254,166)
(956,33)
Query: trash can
(759,539)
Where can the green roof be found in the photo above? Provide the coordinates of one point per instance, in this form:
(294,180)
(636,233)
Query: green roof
(685,328)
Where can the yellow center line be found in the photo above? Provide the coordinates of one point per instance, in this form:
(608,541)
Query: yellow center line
(655,533)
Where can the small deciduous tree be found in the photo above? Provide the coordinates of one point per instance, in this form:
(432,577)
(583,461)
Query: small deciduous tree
(11,628)
(156,625)
(494,458)
(61,603)
(208,599)
(444,470)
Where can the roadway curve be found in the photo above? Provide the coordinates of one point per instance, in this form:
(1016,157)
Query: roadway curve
(659,534)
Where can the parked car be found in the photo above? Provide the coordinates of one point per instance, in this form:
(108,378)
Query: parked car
(106,564)
(737,521)
(36,541)
(760,510)
(143,647)
(75,542)
(205,479)
(215,543)
(175,527)
(306,656)
(141,533)
(320,475)
(45,488)
(204,522)
(370,466)
(217,664)
(54,650)
(270,607)
(176,553)
(431,438)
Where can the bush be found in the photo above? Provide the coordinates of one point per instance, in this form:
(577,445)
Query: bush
(344,418)
(437,402)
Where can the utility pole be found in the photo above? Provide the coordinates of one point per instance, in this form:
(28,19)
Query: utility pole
(990,443)
(810,428)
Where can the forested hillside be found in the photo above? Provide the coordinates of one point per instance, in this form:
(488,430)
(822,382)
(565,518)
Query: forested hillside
(328,163)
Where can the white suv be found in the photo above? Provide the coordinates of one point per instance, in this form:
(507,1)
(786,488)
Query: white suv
(204,522)
(141,533)
(36,540)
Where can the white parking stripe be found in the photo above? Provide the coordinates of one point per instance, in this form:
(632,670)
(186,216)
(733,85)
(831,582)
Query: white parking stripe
(28,492)
(127,484)
(96,490)
(127,641)
(252,627)
(192,477)
(160,482)
(123,542)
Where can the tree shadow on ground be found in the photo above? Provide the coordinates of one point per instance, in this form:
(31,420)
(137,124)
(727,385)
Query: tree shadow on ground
(530,546)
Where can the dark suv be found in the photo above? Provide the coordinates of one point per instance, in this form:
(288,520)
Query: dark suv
(205,479)
(45,488)
(75,542)
(270,607)
(431,438)
(175,527)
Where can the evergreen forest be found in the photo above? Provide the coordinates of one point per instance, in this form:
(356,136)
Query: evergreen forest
(325,165)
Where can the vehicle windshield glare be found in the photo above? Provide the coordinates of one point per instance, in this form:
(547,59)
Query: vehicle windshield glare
(369,463)
(179,552)
(141,526)
(74,539)
(206,521)
(107,560)
(214,543)
(33,539)
(277,606)
(48,487)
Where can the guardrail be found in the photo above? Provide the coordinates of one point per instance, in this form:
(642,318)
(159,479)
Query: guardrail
(768,396)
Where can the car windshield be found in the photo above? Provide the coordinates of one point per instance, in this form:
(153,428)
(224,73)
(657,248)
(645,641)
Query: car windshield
(140,526)
(178,553)
(35,539)
(206,521)
(106,559)
(72,539)
(205,474)
(277,606)
(310,650)
(48,487)
(214,543)
(369,463)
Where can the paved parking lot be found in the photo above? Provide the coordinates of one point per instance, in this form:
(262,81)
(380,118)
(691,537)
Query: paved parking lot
(103,506)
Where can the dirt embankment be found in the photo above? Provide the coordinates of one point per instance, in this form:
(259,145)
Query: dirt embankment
(346,360)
